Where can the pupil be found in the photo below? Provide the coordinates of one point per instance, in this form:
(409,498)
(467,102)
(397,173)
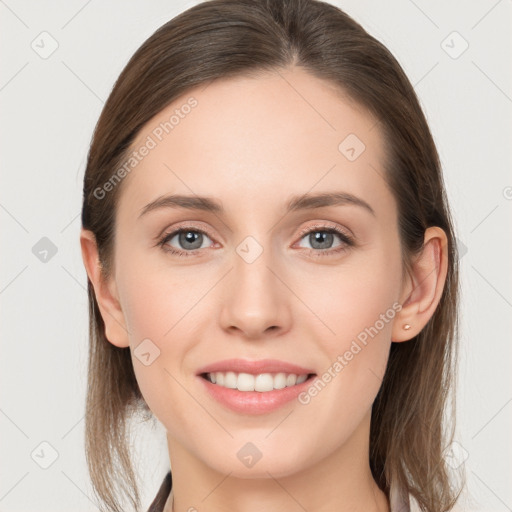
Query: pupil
(191,237)
(322,238)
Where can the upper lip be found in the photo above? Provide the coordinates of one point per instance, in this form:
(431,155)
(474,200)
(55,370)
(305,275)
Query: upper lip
(254,367)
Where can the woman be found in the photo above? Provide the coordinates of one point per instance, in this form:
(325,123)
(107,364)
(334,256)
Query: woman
(272,269)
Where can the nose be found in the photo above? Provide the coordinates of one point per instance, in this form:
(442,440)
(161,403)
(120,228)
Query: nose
(255,299)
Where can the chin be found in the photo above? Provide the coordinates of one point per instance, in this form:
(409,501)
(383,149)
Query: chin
(278,465)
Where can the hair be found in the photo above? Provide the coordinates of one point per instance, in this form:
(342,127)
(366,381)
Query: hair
(411,423)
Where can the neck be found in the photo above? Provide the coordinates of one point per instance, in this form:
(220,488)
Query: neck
(341,482)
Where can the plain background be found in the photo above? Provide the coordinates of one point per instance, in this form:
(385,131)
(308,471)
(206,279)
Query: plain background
(49,107)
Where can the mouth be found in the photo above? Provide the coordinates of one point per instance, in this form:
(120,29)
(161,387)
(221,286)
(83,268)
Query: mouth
(261,383)
(255,393)
(254,387)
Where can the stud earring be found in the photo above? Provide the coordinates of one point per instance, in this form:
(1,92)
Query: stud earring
(407,327)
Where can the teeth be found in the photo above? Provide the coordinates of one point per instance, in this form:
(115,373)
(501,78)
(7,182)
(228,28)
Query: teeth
(230,380)
(245,382)
(262,382)
(291,380)
(301,379)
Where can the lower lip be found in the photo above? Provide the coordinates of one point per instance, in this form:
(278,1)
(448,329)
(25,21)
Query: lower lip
(254,402)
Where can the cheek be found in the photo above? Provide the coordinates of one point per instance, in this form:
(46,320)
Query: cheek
(161,310)
(356,297)
(157,346)
(156,300)
(364,310)
(357,307)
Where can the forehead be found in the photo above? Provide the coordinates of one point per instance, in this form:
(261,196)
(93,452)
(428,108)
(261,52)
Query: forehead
(257,140)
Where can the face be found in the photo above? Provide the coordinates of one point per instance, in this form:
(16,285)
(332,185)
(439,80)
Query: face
(262,279)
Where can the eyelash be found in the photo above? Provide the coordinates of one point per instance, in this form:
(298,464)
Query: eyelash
(346,239)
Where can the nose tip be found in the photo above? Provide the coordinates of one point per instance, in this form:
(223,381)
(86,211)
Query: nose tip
(256,302)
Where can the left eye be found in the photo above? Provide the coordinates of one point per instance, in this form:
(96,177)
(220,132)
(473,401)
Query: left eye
(322,239)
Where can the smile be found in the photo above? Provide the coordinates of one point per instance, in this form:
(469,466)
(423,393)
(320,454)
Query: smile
(263,382)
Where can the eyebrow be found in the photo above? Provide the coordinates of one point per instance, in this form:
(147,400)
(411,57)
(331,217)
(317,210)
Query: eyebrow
(296,203)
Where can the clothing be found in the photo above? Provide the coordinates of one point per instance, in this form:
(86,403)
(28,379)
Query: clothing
(158,503)
(398,502)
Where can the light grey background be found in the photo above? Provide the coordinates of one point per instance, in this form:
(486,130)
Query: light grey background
(49,107)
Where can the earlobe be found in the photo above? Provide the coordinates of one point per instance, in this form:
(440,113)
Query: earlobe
(105,292)
(424,286)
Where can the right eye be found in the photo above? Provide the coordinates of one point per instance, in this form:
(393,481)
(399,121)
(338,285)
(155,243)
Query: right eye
(189,241)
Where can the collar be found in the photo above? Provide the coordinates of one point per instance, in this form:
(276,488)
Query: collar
(399,501)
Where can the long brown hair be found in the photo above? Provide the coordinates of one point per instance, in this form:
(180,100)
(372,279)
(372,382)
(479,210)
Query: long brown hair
(411,425)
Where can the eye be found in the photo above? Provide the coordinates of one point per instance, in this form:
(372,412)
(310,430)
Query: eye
(321,239)
(189,240)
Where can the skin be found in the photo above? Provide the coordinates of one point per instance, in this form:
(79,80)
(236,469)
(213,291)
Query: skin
(252,143)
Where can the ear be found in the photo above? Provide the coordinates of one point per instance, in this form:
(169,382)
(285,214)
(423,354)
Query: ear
(105,291)
(423,287)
